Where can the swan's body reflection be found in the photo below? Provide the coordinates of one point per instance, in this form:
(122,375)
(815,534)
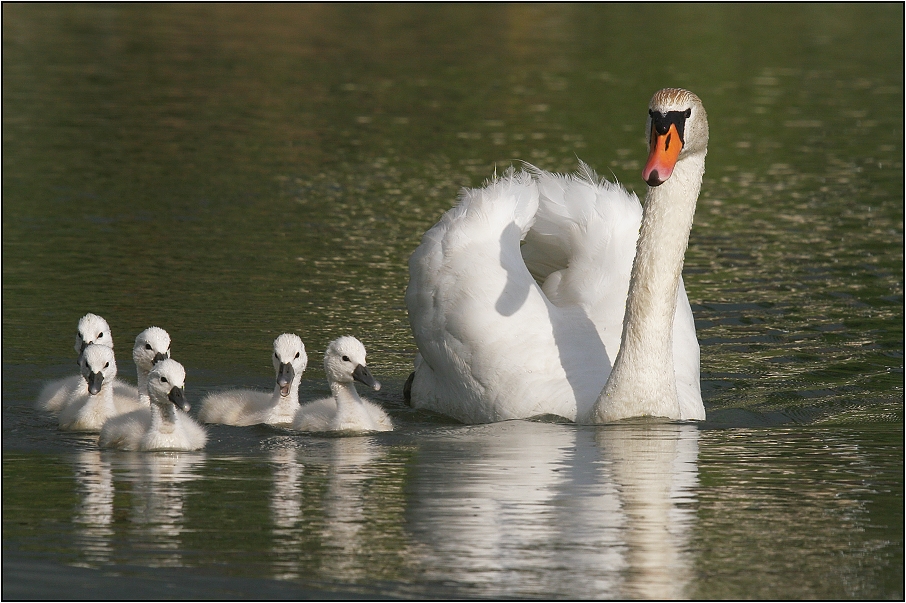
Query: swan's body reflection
(157,496)
(539,508)
(333,534)
(158,500)
(94,517)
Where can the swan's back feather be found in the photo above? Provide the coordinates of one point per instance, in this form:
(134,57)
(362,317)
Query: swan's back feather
(241,407)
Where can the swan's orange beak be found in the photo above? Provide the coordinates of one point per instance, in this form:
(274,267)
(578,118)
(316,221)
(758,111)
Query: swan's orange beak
(665,149)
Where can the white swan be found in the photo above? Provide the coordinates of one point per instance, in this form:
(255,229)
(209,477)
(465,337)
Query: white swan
(344,363)
(87,411)
(151,346)
(609,334)
(164,425)
(54,395)
(250,407)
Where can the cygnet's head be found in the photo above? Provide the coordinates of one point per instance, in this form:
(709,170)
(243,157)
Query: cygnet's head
(290,360)
(677,127)
(151,346)
(166,384)
(344,362)
(92,329)
(98,366)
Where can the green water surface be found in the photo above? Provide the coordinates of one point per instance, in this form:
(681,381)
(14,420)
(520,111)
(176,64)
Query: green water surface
(232,172)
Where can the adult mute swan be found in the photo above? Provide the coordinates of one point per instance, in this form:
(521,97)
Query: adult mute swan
(87,411)
(250,407)
(164,425)
(54,395)
(608,334)
(344,363)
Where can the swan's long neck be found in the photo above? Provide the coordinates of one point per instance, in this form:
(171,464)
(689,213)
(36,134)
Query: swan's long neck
(643,380)
(142,383)
(163,417)
(102,402)
(285,407)
(350,411)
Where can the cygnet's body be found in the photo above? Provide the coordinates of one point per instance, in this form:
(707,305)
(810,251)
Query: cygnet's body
(55,394)
(88,410)
(244,407)
(344,363)
(164,425)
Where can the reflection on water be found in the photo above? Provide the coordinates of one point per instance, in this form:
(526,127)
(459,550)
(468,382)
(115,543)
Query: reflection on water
(599,513)
(156,484)
(286,511)
(95,512)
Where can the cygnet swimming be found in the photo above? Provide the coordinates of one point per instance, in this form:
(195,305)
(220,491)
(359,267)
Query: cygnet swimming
(164,425)
(344,363)
(250,407)
(54,395)
(87,411)
(151,346)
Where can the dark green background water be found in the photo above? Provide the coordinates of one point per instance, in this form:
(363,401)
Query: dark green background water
(231,172)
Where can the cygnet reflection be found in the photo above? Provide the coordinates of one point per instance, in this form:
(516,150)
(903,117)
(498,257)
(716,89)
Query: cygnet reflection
(94,517)
(158,481)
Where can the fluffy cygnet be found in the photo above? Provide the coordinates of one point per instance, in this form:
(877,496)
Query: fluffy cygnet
(87,411)
(164,425)
(151,346)
(250,407)
(344,363)
(54,395)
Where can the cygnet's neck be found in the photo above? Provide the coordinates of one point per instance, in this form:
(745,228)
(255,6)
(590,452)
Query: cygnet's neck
(643,380)
(285,407)
(103,400)
(142,383)
(163,417)
(350,412)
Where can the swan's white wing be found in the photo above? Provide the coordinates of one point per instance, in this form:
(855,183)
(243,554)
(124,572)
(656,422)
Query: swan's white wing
(241,407)
(378,416)
(317,415)
(584,239)
(686,359)
(125,431)
(488,347)
(56,394)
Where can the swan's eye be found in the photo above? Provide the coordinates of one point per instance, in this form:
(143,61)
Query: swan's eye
(688,113)
(345,358)
(147,346)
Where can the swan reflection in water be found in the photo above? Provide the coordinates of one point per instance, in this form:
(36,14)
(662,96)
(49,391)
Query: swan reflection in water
(94,516)
(320,507)
(158,490)
(533,508)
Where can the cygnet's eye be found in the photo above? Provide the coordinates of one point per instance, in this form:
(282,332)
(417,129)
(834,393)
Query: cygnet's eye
(163,380)
(100,335)
(106,365)
(275,356)
(297,354)
(345,358)
(147,346)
